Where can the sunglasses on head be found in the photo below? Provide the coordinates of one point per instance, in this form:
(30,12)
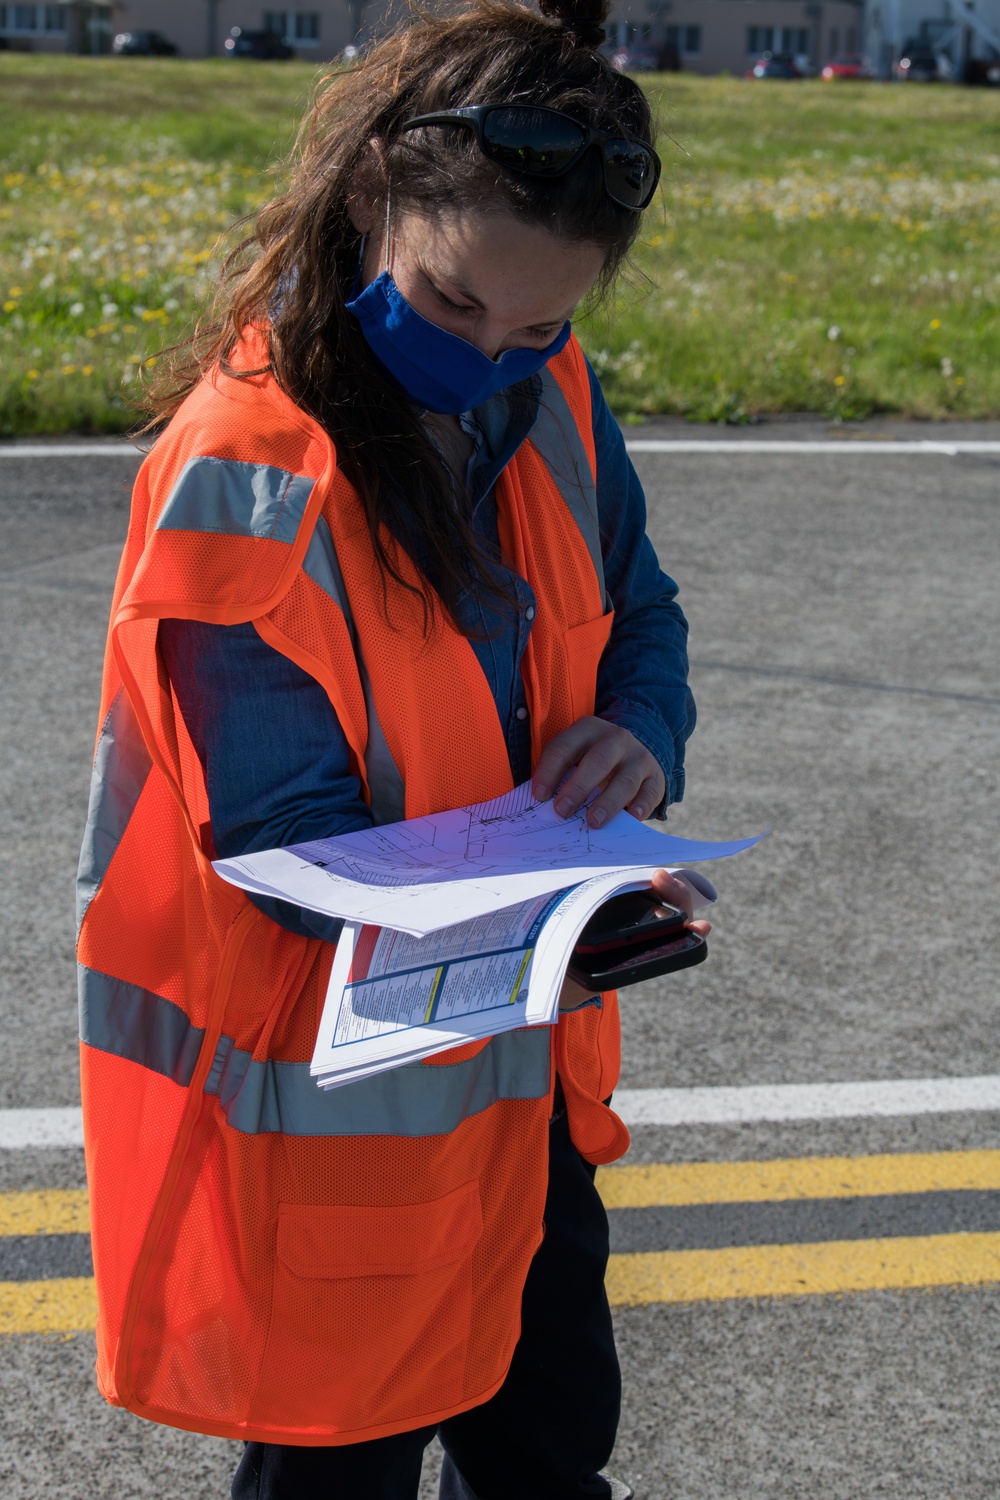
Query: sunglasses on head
(544,142)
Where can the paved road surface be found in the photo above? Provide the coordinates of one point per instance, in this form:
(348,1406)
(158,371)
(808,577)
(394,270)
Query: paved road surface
(845,625)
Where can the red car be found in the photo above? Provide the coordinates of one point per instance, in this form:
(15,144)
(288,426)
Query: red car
(847,65)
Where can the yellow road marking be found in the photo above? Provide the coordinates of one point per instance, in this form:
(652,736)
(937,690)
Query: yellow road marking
(807,1177)
(66,1305)
(62,1211)
(804,1270)
(69,1305)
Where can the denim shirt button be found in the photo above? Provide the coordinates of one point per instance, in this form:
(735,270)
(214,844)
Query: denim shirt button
(529,613)
(520,713)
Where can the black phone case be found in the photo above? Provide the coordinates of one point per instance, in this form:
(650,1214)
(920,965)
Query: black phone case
(617,968)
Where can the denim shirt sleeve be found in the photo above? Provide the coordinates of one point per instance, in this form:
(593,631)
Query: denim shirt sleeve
(276,760)
(642,677)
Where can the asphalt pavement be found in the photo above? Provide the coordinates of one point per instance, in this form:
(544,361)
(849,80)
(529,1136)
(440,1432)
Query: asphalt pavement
(845,624)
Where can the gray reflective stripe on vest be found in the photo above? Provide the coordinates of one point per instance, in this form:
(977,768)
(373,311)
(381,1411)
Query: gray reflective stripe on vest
(236,499)
(265,1097)
(136,1024)
(121,766)
(414,1100)
(384,780)
(556,438)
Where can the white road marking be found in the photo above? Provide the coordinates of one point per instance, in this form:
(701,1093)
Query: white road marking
(807,1101)
(849,447)
(21,1128)
(70,450)
(742,447)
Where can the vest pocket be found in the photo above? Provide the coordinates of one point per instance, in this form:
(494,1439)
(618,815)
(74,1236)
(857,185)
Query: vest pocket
(370,1313)
(584,646)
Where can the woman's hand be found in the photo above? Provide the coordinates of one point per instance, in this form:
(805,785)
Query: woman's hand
(670,890)
(603,755)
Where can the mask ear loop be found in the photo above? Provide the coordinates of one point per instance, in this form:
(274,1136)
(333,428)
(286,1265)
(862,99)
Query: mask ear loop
(388,230)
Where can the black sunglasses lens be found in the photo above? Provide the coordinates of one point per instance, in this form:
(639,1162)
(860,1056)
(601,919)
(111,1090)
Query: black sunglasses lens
(531,140)
(631,172)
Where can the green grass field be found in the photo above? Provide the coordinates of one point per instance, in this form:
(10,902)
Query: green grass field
(819,248)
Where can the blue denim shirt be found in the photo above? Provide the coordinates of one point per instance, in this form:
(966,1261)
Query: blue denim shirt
(276,759)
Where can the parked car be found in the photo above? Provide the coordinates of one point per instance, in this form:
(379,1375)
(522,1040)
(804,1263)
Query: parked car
(266,45)
(848,65)
(143,44)
(920,64)
(982,71)
(775,65)
(646,57)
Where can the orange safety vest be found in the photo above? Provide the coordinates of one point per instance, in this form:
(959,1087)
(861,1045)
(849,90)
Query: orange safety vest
(274,1261)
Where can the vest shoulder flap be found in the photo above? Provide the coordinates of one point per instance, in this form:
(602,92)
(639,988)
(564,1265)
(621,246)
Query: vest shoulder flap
(229,498)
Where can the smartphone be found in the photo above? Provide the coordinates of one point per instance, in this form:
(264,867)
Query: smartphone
(633,937)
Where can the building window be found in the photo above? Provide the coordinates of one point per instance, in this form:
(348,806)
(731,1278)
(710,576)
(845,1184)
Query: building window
(55,18)
(307,26)
(760,39)
(276,21)
(25,18)
(686,39)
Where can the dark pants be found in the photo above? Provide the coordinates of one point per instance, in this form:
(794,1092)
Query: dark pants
(549,1428)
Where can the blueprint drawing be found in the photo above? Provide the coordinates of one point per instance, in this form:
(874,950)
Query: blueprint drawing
(428,873)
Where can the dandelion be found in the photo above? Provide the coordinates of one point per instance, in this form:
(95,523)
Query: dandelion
(840,380)
(87,370)
(69,369)
(833,333)
(935,323)
(32,374)
(9,306)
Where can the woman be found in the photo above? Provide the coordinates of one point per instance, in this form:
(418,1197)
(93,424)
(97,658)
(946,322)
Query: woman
(387,557)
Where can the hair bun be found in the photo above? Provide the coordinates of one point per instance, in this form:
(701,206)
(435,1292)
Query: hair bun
(583,19)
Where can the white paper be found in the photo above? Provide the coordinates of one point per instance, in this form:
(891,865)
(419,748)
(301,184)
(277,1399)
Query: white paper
(430,873)
(394,999)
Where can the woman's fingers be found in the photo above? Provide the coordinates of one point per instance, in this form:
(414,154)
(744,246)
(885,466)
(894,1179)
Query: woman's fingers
(618,793)
(649,796)
(562,751)
(675,893)
(598,755)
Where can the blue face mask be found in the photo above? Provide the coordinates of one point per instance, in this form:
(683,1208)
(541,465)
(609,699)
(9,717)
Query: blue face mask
(438,370)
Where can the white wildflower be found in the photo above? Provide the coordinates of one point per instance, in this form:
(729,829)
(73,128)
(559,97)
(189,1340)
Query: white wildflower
(108,309)
(833,333)
(947,368)
(76,309)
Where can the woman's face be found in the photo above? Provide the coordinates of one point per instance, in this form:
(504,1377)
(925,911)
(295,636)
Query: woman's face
(485,276)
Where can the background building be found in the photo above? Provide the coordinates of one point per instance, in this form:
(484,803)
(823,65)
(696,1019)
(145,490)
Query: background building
(716,36)
(709,36)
